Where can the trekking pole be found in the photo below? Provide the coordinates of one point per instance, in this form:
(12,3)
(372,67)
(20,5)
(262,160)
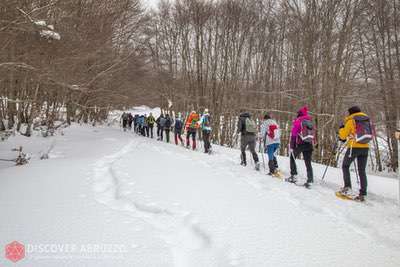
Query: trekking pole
(333,154)
(356,168)
(261,149)
(337,151)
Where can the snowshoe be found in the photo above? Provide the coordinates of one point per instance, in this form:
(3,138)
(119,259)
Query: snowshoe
(291,179)
(277,174)
(345,193)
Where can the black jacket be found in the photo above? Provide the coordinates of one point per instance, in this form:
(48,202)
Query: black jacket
(242,123)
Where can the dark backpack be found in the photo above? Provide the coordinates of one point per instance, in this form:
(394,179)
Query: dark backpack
(206,121)
(167,122)
(178,124)
(364,130)
(307,133)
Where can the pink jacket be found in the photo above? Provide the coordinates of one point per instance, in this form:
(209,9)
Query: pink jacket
(296,127)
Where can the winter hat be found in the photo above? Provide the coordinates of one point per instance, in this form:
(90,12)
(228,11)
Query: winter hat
(303,111)
(267,116)
(354,109)
(206,110)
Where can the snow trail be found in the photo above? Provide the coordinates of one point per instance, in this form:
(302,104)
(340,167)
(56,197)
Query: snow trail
(158,180)
(178,228)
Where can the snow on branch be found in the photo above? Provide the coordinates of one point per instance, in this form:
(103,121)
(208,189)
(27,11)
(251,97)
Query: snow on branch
(48,32)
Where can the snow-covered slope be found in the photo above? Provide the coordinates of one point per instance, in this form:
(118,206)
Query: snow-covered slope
(118,199)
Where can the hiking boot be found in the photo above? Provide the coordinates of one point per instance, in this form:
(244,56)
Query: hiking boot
(360,198)
(346,191)
(308,185)
(243,163)
(257,166)
(291,179)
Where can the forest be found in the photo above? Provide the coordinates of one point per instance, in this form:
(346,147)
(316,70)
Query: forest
(77,60)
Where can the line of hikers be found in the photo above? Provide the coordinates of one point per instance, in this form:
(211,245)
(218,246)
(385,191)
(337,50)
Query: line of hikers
(356,132)
(144,126)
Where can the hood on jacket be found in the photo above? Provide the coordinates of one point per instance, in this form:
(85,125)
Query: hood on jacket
(354,109)
(245,115)
(303,111)
(359,116)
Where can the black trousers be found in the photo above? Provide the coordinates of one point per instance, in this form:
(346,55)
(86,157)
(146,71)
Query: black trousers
(151,127)
(307,151)
(160,132)
(361,154)
(206,140)
(167,131)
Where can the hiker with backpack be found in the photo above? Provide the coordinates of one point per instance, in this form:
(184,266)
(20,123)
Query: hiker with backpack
(146,126)
(301,142)
(271,140)
(191,129)
(150,122)
(124,119)
(160,130)
(205,126)
(247,127)
(178,129)
(167,126)
(130,121)
(357,131)
(136,123)
(141,125)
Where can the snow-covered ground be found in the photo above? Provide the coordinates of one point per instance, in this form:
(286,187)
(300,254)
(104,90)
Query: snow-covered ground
(111,198)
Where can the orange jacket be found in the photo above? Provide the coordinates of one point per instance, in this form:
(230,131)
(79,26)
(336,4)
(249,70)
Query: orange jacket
(192,120)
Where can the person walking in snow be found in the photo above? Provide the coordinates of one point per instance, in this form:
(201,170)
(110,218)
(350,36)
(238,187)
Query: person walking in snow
(162,125)
(248,130)
(191,129)
(270,136)
(159,129)
(130,121)
(124,119)
(167,126)
(150,122)
(205,126)
(301,142)
(141,125)
(136,123)
(146,126)
(357,131)
(178,125)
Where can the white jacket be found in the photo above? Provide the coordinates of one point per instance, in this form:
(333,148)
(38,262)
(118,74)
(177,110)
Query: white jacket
(264,129)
